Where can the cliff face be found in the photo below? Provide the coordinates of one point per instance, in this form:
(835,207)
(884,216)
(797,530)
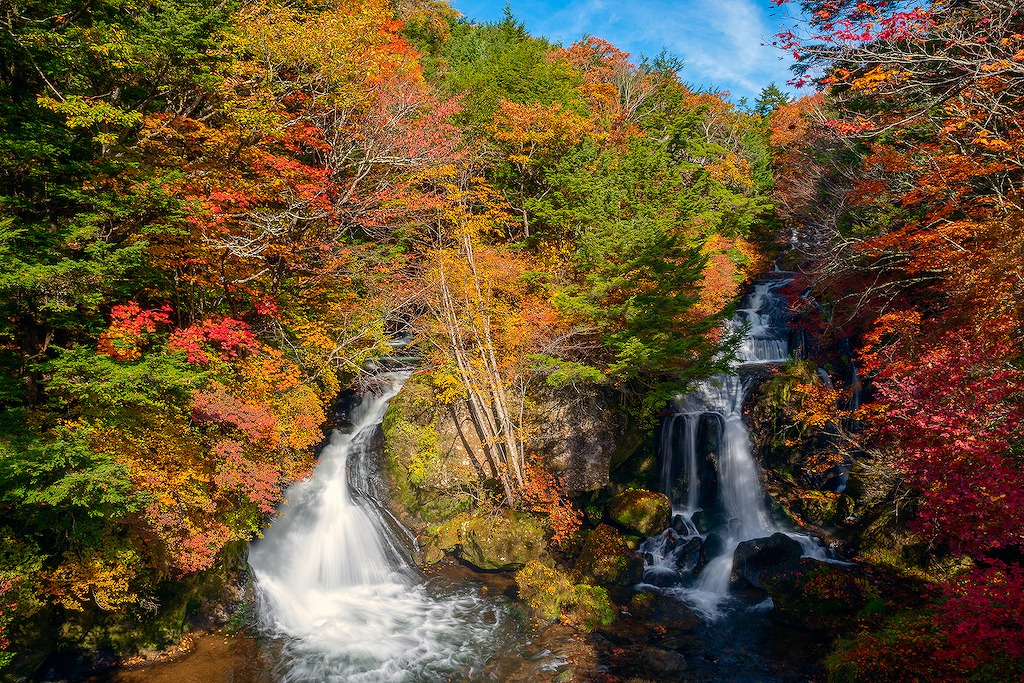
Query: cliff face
(580,435)
(436,461)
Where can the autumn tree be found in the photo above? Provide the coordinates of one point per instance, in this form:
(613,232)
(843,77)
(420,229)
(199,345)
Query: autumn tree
(921,267)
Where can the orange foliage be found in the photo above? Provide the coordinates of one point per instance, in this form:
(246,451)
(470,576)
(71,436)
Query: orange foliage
(615,88)
(731,264)
(543,493)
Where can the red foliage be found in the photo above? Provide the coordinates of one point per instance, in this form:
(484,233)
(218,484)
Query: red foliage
(542,492)
(257,422)
(950,410)
(259,482)
(209,340)
(129,327)
(5,587)
(975,632)
(191,541)
(983,619)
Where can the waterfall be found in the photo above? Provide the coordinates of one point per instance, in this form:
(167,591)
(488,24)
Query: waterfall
(739,509)
(334,587)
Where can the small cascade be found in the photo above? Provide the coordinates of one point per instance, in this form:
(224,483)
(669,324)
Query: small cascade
(710,474)
(336,590)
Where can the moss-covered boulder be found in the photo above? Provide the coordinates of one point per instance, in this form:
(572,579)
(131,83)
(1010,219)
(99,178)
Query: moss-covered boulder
(493,542)
(642,512)
(606,558)
(502,542)
(431,473)
(553,595)
(439,539)
(490,541)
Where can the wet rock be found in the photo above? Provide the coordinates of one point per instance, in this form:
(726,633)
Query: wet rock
(670,540)
(670,612)
(607,559)
(688,555)
(702,521)
(762,557)
(642,512)
(679,525)
(713,546)
(662,576)
(502,542)
(664,662)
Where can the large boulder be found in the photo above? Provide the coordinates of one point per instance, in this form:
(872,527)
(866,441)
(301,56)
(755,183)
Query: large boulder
(578,434)
(504,542)
(641,512)
(554,595)
(607,560)
(439,539)
(761,557)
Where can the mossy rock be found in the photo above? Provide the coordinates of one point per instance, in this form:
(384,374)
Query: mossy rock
(642,512)
(607,559)
(439,539)
(553,595)
(825,508)
(446,536)
(432,554)
(503,542)
(431,477)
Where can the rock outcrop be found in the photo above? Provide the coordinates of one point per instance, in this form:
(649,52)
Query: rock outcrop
(641,512)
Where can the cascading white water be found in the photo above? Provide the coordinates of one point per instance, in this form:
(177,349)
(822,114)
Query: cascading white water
(334,588)
(742,503)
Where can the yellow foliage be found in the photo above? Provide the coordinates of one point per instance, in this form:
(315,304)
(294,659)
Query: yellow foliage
(448,386)
(875,78)
(534,131)
(102,576)
(270,379)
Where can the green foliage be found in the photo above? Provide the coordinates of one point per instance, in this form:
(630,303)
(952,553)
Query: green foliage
(62,490)
(490,62)
(72,201)
(90,385)
(639,267)
(559,373)
(770,99)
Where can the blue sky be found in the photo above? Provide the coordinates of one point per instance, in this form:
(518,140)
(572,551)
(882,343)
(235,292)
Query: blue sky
(725,44)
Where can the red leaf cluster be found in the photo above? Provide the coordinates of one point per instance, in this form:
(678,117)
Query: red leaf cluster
(211,340)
